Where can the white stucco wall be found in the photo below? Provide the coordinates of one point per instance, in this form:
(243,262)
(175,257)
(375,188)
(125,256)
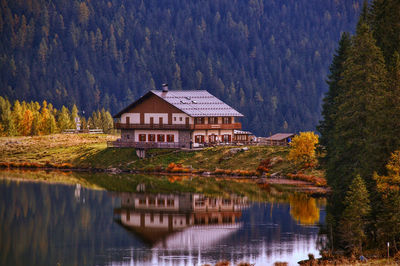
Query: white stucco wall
(180,119)
(156,117)
(133,117)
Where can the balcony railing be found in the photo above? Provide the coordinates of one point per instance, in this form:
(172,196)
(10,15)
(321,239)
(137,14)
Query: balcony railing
(152,126)
(146,145)
(179,126)
(218,126)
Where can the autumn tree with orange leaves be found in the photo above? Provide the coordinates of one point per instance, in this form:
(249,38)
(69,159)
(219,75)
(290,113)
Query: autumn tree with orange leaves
(302,151)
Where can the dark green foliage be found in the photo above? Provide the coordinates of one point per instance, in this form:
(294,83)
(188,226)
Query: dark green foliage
(388,220)
(385,22)
(268,59)
(330,103)
(361,127)
(354,219)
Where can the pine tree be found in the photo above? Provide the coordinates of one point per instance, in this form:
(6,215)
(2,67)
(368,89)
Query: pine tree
(354,219)
(358,142)
(384,20)
(330,105)
(360,123)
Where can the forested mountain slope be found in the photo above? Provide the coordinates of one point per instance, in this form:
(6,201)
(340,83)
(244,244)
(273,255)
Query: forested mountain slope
(268,59)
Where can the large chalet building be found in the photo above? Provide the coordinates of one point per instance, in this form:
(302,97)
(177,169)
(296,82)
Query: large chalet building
(176,119)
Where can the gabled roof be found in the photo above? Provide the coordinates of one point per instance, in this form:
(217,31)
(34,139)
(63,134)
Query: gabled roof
(280,136)
(195,103)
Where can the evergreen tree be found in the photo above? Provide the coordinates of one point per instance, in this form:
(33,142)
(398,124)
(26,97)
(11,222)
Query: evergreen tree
(354,219)
(330,102)
(384,20)
(360,123)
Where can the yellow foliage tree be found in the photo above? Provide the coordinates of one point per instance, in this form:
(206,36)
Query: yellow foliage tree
(391,182)
(27,122)
(303,148)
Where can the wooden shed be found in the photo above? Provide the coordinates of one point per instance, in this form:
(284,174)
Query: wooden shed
(279,139)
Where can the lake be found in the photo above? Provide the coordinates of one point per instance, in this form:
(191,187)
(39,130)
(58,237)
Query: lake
(70,224)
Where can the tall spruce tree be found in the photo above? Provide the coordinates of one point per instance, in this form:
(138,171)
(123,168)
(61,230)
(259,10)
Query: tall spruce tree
(330,102)
(355,145)
(385,23)
(354,220)
(361,117)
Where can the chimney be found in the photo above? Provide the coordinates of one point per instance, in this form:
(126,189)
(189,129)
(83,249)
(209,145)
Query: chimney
(165,87)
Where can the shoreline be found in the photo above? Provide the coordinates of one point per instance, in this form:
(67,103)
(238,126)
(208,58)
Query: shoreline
(297,185)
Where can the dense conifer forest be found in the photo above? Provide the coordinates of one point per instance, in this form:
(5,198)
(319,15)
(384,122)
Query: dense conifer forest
(360,134)
(268,59)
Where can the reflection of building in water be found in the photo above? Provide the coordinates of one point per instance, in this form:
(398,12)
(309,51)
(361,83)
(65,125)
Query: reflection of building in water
(178,219)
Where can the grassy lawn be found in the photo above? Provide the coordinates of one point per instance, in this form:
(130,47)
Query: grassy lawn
(90,151)
(58,148)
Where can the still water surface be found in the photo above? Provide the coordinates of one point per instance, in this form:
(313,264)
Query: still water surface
(55,224)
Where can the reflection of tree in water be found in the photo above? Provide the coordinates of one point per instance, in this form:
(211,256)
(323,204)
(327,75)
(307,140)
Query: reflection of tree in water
(44,224)
(304,209)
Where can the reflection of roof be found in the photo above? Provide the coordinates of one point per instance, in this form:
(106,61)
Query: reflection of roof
(199,236)
(195,103)
(147,235)
(280,136)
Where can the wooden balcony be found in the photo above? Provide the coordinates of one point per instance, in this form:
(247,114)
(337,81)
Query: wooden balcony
(218,126)
(179,126)
(146,145)
(153,126)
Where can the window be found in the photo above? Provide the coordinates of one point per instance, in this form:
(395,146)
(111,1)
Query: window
(226,138)
(212,138)
(170,202)
(152,201)
(174,118)
(213,120)
(152,137)
(226,120)
(199,120)
(142,137)
(127,136)
(160,137)
(180,118)
(160,202)
(170,138)
(199,139)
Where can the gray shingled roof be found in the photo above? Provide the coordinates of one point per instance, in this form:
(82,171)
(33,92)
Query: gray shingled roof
(197,103)
(280,136)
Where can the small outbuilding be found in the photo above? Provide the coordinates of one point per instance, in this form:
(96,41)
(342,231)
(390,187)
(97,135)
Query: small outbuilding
(279,139)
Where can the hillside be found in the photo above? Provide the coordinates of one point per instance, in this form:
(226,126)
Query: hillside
(268,59)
